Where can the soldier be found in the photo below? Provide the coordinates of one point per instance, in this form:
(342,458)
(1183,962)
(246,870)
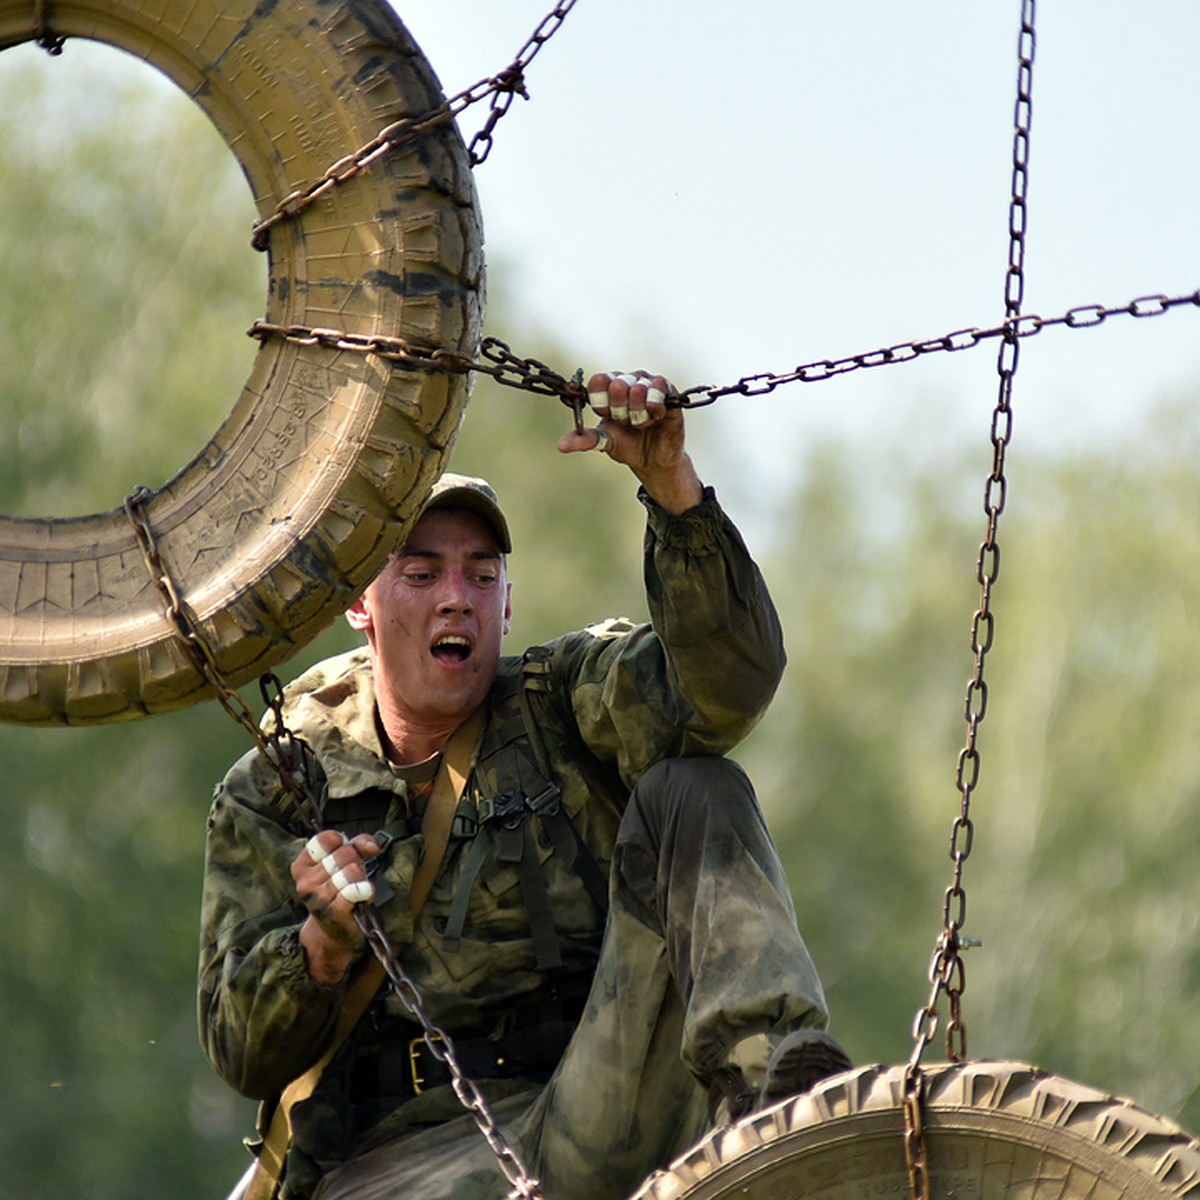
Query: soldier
(609,939)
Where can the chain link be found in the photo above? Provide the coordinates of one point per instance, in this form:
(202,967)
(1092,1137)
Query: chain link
(915,1154)
(278,747)
(501,87)
(294,766)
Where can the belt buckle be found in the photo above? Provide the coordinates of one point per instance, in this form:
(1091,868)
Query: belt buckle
(414,1061)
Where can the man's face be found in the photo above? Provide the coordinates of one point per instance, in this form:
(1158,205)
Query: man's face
(435,617)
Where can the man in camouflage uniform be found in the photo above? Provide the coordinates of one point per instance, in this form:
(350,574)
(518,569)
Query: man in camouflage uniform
(605,1045)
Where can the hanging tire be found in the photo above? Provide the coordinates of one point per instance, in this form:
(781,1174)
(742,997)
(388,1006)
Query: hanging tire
(992,1130)
(275,526)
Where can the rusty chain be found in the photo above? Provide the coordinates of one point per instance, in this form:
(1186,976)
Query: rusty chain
(947,973)
(481,143)
(291,762)
(441,1046)
(916,1154)
(501,363)
(501,87)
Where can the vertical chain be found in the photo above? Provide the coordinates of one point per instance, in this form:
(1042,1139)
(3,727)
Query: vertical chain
(946,971)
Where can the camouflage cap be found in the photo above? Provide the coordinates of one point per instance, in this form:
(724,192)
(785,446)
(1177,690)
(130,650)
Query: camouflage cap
(475,495)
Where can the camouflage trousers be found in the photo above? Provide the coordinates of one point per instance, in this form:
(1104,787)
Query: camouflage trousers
(701,951)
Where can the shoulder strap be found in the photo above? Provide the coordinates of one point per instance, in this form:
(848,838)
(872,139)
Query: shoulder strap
(458,760)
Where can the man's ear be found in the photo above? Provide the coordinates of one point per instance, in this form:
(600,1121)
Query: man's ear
(358,616)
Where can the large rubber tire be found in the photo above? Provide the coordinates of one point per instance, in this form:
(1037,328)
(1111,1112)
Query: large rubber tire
(295,503)
(992,1130)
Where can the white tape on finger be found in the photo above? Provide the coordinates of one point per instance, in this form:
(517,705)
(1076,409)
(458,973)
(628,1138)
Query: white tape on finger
(315,850)
(358,893)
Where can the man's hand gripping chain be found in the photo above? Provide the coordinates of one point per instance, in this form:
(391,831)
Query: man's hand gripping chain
(354,891)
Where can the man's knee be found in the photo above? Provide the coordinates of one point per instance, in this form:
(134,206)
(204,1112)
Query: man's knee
(694,780)
(692,794)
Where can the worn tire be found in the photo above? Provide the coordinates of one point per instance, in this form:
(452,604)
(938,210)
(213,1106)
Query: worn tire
(992,1130)
(278,522)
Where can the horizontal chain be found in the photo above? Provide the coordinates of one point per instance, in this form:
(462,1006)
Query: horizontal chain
(1084,316)
(495,358)
(529,374)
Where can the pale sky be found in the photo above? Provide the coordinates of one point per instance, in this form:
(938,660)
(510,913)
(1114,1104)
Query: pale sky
(715,195)
(728,193)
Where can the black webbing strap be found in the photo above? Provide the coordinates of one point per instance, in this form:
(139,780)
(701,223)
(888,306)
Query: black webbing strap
(506,826)
(563,835)
(504,822)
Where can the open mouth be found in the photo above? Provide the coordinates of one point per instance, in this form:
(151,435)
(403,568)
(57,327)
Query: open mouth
(451,649)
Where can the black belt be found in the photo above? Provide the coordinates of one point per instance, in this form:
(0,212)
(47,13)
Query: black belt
(398,1071)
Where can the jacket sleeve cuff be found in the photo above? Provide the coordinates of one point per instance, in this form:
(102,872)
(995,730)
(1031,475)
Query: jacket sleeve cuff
(697,531)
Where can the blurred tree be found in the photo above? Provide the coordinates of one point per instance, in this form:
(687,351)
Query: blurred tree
(1081,884)
(1095,808)
(126,281)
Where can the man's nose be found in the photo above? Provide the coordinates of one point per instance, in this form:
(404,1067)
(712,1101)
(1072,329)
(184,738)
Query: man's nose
(455,595)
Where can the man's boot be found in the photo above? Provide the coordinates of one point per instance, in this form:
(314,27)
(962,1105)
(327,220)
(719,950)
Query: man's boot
(757,1076)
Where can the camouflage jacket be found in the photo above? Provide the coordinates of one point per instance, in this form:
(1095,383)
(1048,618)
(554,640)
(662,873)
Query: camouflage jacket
(609,701)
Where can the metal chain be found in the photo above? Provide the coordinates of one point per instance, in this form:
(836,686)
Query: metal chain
(946,969)
(524,1186)
(277,747)
(287,756)
(497,360)
(500,87)
(916,1155)
(481,143)
(947,973)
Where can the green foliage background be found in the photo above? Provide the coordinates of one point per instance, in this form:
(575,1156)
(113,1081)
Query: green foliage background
(125,284)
